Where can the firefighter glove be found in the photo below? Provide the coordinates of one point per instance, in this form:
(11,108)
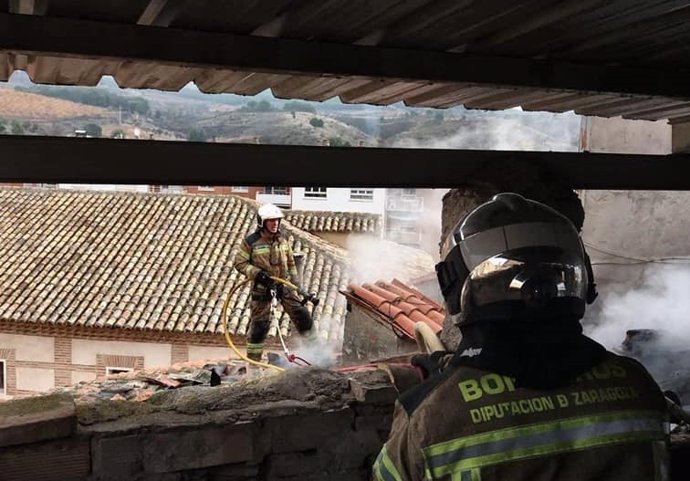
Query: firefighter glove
(264,278)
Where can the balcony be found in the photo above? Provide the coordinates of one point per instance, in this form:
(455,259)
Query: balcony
(405,204)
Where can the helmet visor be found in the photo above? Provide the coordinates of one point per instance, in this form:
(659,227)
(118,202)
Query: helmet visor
(479,247)
(531,276)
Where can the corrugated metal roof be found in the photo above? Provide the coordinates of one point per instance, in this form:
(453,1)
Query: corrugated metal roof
(143,262)
(638,33)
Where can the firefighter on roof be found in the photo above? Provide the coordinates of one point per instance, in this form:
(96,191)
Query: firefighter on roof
(262,255)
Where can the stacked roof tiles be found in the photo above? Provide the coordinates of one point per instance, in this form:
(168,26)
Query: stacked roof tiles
(143,261)
(398,304)
(314,221)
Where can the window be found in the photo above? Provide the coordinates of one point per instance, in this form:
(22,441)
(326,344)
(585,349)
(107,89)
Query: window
(277,190)
(240,189)
(3,376)
(206,188)
(409,192)
(361,194)
(109,371)
(315,192)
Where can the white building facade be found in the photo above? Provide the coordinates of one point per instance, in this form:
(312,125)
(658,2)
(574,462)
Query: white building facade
(365,200)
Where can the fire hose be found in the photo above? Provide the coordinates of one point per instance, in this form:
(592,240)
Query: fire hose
(307,297)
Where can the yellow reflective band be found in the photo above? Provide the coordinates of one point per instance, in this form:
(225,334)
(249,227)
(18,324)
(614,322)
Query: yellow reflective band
(541,439)
(243,254)
(255,347)
(384,469)
(262,250)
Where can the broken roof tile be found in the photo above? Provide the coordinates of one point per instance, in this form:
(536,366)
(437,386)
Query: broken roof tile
(398,304)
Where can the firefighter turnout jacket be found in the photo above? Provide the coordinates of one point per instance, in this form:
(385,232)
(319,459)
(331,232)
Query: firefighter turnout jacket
(468,424)
(271,254)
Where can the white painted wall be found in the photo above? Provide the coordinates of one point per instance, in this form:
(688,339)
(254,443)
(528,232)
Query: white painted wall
(636,224)
(29,348)
(197,353)
(78,377)
(35,379)
(338,200)
(633,223)
(105,187)
(85,351)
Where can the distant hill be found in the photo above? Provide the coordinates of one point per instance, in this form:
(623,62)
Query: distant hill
(298,128)
(29,106)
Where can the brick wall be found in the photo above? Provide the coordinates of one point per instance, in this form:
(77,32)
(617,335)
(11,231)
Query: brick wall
(179,353)
(63,361)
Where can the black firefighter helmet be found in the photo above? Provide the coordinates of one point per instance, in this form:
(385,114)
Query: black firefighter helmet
(513,258)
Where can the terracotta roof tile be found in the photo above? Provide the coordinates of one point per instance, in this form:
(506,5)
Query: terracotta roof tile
(143,261)
(398,304)
(315,221)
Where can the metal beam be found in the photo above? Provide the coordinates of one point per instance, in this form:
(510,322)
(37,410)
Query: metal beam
(72,160)
(33,35)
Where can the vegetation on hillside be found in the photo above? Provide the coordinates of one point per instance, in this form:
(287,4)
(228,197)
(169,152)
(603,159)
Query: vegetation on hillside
(92,96)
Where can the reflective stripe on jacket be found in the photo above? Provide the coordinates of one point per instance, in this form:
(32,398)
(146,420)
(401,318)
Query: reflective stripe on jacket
(478,426)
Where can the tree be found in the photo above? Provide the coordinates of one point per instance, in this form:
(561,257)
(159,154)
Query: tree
(93,130)
(3,127)
(118,134)
(338,142)
(254,106)
(17,128)
(316,122)
(297,106)
(196,135)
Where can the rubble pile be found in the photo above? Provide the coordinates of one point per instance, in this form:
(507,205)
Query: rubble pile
(141,385)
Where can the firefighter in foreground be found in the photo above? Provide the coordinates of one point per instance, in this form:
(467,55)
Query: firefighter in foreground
(264,254)
(526,396)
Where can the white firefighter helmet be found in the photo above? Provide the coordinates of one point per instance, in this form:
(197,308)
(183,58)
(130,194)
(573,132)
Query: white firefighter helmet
(267,212)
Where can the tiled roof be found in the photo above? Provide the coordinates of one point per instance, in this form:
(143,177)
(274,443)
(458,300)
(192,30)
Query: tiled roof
(143,261)
(314,221)
(398,304)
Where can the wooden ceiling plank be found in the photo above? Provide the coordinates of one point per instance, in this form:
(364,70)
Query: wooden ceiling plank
(98,161)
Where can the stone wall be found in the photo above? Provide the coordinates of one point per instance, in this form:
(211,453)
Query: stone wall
(366,338)
(306,425)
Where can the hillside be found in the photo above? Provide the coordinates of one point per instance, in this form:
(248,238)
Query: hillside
(283,128)
(28,106)
(191,115)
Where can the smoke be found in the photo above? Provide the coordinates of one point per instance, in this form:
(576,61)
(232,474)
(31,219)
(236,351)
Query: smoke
(373,259)
(318,353)
(430,222)
(501,131)
(661,302)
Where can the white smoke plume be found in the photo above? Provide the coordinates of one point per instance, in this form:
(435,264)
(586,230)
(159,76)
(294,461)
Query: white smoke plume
(373,259)
(318,353)
(510,130)
(662,303)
